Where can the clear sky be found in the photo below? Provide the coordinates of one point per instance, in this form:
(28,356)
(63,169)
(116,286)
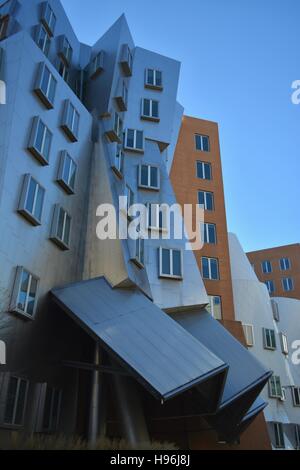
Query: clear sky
(239,59)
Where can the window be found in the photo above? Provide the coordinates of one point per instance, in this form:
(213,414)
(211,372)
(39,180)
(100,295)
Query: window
(249,334)
(67,173)
(70,122)
(209,233)
(118,164)
(269,339)
(122,97)
(43,39)
(118,126)
(284,344)
(156,219)
(48,18)
(153,79)
(40,141)
(170,263)
(285,264)
(204,170)
(4,22)
(139,252)
(15,401)
(210,268)
(288,284)
(215,306)
(66,51)
(32,200)
(61,228)
(275,310)
(297,436)
(270,286)
(51,410)
(149,177)
(24,296)
(275,390)
(134,140)
(130,198)
(202,143)
(63,70)
(97,65)
(266,267)
(296,396)
(46,86)
(126,60)
(279,436)
(150,109)
(206,199)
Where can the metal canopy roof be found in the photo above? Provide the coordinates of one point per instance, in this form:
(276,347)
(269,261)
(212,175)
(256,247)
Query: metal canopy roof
(161,354)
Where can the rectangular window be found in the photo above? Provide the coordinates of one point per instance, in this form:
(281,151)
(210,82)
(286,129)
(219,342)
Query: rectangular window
(156,219)
(215,306)
(204,170)
(32,200)
(285,264)
(67,173)
(122,96)
(118,163)
(63,70)
(279,436)
(150,109)
(269,338)
(284,344)
(270,286)
(45,86)
(297,436)
(206,199)
(43,39)
(275,310)
(134,140)
(209,233)
(202,143)
(66,51)
(249,334)
(153,79)
(170,263)
(97,65)
(275,389)
(24,295)
(296,396)
(16,401)
(139,254)
(48,18)
(51,411)
(126,60)
(210,268)
(130,199)
(4,22)
(61,228)
(287,284)
(40,141)
(266,267)
(149,177)
(70,122)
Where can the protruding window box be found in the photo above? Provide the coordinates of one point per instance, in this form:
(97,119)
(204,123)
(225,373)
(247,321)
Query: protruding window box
(45,86)
(97,65)
(118,162)
(40,141)
(32,200)
(61,228)
(138,252)
(122,97)
(126,60)
(149,177)
(65,50)
(150,110)
(170,263)
(43,39)
(70,123)
(134,141)
(115,133)
(153,79)
(67,173)
(24,295)
(48,18)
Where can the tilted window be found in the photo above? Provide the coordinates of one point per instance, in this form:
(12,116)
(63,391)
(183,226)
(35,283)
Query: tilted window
(32,200)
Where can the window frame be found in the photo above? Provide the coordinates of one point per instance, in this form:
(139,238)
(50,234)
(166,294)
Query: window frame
(149,168)
(211,307)
(284,286)
(204,165)
(296,401)
(267,335)
(209,268)
(22,207)
(129,193)
(158,211)
(268,284)
(126,61)
(275,381)
(284,268)
(13,424)
(41,157)
(47,22)
(60,242)
(204,227)
(205,205)
(118,162)
(44,96)
(268,262)
(279,436)
(249,339)
(171,275)
(202,137)
(97,65)
(4,24)
(149,117)
(45,48)
(284,344)
(69,189)
(139,252)
(153,86)
(65,51)
(275,310)
(14,301)
(72,134)
(134,148)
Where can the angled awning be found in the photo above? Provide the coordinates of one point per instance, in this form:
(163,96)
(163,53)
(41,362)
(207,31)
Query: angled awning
(155,349)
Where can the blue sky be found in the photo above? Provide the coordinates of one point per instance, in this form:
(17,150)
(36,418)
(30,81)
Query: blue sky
(239,59)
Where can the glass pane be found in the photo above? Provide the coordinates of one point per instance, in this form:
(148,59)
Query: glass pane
(154,177)
(47,144)
(32,296)
(60,227)
(155,109)
(198,142)
(130,138)
(67,167)
(144,175)
(209,202)
(47,409)
(207,171)
(52,88)
(73,175)
(42,37)
(201,199)
(23,290)
(39,203)
(70,115)
(30,196)
(166,261)
(10,400)
(67,230)
(205,142)
(45,81)
(205,268)
(214,269)
(200,170)
(211,233)
(21,402)
(217,307)
(139,140)
(150,77)
(146,108)
(39,136)
(176,263)
(158,81)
